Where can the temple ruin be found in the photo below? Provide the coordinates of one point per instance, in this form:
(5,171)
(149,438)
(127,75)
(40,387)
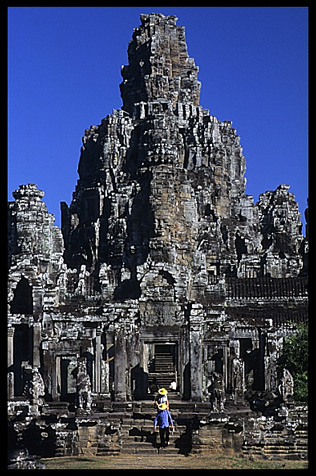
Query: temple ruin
(164,272)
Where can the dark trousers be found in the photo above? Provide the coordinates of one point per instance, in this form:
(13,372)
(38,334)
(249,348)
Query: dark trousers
(164,436)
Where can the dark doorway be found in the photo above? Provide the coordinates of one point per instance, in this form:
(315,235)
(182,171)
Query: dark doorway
(245,350)
(69,372)
(23,301)
(254,360)
(163,369)
(218,360)
(22,355)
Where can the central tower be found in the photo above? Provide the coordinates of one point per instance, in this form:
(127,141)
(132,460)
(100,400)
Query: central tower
(159,66)
(159,175)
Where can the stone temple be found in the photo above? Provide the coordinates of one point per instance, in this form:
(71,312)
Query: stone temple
(164,273)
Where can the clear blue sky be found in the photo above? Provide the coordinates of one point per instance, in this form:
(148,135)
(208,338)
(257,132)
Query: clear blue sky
(64,68)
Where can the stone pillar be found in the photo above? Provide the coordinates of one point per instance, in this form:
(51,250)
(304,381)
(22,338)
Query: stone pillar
(120,363)
(104,385)
(36,344)
(10,356)
(261,366)
(196,357)
(105,366)
(56,378)
(97,362)
(233,353)
(272,354)
(225,366)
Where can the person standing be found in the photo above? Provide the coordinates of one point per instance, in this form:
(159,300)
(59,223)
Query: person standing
(162,397)
(163,420)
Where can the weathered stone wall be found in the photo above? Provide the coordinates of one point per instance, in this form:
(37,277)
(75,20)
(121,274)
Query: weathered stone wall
(129,429)
(160,248)
(254,437)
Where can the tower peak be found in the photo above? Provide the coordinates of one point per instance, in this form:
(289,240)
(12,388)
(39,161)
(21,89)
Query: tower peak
(159,66)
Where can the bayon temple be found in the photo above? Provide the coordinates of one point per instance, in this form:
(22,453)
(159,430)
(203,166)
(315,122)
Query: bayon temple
(164,274)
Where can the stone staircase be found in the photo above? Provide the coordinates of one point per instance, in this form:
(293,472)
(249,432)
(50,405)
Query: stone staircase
(140,438)
(279,442)
(136,426)
(128,428)
(163,372)
(163,362)
(138,435)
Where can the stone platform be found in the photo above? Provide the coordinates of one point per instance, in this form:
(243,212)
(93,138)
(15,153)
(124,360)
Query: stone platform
(128,428)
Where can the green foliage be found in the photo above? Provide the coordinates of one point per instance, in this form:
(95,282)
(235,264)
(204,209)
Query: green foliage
(295,359)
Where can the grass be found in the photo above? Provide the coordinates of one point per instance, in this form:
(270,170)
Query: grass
(167,462)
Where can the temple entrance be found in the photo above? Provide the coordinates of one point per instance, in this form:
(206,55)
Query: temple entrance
(22,356)
(66,367)
(162,369)
(23,301)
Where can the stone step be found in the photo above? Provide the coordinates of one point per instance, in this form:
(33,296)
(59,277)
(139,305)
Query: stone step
(164,369)
(147,447)
(164,359)
(280,451)
(135,430)
(164,366)
(153,441)
(107,451)
(55,408)
(149,435)
(163,378)
(144,451)
(167,451)
(174,397)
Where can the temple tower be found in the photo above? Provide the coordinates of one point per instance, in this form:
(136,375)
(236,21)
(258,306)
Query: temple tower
(165,269)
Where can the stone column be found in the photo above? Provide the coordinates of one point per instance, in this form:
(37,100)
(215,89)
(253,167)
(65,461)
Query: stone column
(97,362)
(196,358)
(105,366)
(56,378)
(120,366)
(36,344)
(10,386)
(261,369)
(225,366)
(274,344)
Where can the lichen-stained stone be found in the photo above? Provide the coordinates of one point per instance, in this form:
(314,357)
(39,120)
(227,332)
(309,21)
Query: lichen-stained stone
(163,180)
(165,271)
(36,250)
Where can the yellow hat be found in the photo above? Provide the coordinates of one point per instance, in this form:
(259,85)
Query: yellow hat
(162,391)
(162,406)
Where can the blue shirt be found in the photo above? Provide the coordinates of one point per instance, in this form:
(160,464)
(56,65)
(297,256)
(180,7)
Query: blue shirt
(163,418)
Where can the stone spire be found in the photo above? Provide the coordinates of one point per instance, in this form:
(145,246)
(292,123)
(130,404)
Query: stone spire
(35,252)
(31,228)
(159,66)
(162,185)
